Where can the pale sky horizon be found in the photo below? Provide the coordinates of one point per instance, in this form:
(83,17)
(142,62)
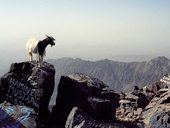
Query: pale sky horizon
(88,29)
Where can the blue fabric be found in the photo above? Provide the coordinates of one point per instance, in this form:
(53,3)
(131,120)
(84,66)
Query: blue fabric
(6,121)
(15,116)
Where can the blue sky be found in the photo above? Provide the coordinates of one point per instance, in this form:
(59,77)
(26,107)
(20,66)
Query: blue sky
(88,29)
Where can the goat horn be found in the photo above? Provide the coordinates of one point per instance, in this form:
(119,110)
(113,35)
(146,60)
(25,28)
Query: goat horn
(46,35)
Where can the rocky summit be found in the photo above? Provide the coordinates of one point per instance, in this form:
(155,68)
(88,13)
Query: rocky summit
(29,86)
(82,101)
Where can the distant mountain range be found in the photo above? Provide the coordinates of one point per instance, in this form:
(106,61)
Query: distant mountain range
(120,76)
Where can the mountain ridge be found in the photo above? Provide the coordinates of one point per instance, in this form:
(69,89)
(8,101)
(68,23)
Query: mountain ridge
(118,75)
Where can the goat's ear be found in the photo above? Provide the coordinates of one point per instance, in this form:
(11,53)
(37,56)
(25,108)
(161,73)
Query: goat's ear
(52,38)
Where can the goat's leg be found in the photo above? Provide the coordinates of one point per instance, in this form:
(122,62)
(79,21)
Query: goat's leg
(30,56)
(39,60)
(42,57)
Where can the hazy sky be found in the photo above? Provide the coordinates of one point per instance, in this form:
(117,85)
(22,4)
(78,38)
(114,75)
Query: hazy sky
(89,29)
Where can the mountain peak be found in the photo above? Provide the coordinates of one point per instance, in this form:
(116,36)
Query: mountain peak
(160,59)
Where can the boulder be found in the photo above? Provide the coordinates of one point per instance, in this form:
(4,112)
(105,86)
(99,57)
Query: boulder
(132,105)
(142,100)
(124,102)
(29,85)
(160,119)
(131,97)
(99,107)
(162,91)
(154,88)
(165,99)
(79,119)
(87,93)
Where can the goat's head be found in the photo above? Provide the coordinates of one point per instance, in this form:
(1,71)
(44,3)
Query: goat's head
(50,40)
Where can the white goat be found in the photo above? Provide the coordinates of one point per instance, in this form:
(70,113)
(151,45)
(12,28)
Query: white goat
(38,48)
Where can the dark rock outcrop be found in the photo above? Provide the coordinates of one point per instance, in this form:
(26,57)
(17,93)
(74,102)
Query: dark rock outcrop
(28,85)
(87,93)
